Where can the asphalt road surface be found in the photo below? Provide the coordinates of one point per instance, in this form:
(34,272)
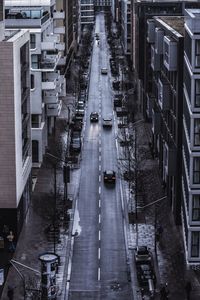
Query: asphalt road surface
(99,265)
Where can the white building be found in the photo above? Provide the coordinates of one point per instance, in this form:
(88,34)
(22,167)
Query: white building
(87,12)
(46,49)
(15,127)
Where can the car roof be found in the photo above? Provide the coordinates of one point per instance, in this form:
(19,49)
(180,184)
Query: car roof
(94,113)
(109,171)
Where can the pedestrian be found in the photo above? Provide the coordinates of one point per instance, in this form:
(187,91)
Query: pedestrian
(11,245)
(10,292)
(188,288)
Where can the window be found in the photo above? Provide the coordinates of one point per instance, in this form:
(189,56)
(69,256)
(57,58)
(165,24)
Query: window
(34,61)
(32,41)
(196,170)
(35,151)
(197,93)
(197,53)
(196,208)
(35,121)
(196,132)
(195,244)
(32,81)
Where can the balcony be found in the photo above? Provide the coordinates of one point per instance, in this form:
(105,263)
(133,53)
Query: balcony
(50,97)
(49,84)
(49,62)
(170,54)
(48,46)
(26,22)
(59,15)
(150,31)
(59,30)
(163,95)
(149,106)
(53,110)
(60,46)
(156,122)
(170,160)
(155,59)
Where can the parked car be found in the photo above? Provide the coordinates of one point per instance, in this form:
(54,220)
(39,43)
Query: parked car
(94,117)
(116,85)
(107,122)
(142,254)
(109,176)
(75,145)
(104,71)
(80,105)
(80,112)
(145,274)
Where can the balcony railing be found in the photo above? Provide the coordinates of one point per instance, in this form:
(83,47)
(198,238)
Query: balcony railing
(53,110)
(26,22)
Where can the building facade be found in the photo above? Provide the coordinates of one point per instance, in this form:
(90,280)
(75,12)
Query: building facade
(191,138)
(15,123)
(87,12)
(46,49)
(126,27)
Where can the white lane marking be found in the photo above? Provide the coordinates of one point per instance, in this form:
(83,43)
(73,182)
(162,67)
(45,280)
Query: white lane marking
(99,219)
(99,253)
(99,203)
(99,171)
(99,274)
(100,149)
(99,235)
(99,178)
(99,158)
(99,190)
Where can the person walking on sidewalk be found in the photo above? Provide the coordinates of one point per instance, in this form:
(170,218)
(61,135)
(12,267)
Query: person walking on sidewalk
(10,238)
(188,289)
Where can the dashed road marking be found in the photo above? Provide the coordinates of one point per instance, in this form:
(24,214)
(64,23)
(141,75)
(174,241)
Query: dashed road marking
(99,170)
(99,274)
(99,235)
(99,203)
(99,158)
(99,253)
(99,219)
(99,190)
(99,178)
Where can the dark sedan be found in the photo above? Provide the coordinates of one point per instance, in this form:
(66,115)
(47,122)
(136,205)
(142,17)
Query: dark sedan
(109,176)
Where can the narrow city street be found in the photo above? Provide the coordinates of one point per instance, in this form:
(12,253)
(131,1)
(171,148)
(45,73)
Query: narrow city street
(99,264)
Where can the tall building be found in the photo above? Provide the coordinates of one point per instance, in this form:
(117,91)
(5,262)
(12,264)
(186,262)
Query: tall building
(87,12)
(191,137)
(15,124)
(46,50)
(105,5)
(126,27)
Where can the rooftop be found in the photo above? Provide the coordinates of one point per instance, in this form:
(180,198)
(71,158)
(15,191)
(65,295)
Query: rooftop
(176,23)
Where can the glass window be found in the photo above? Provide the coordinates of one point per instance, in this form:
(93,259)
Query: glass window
(35,121)
(32,81)
(196,208)
(197,93)
(34,61)
(196,170)
(195,244)
(35,151)
(197,53)
(32,41)
(196,132)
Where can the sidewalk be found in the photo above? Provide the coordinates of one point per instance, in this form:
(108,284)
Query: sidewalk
(169,251)
(33,240)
